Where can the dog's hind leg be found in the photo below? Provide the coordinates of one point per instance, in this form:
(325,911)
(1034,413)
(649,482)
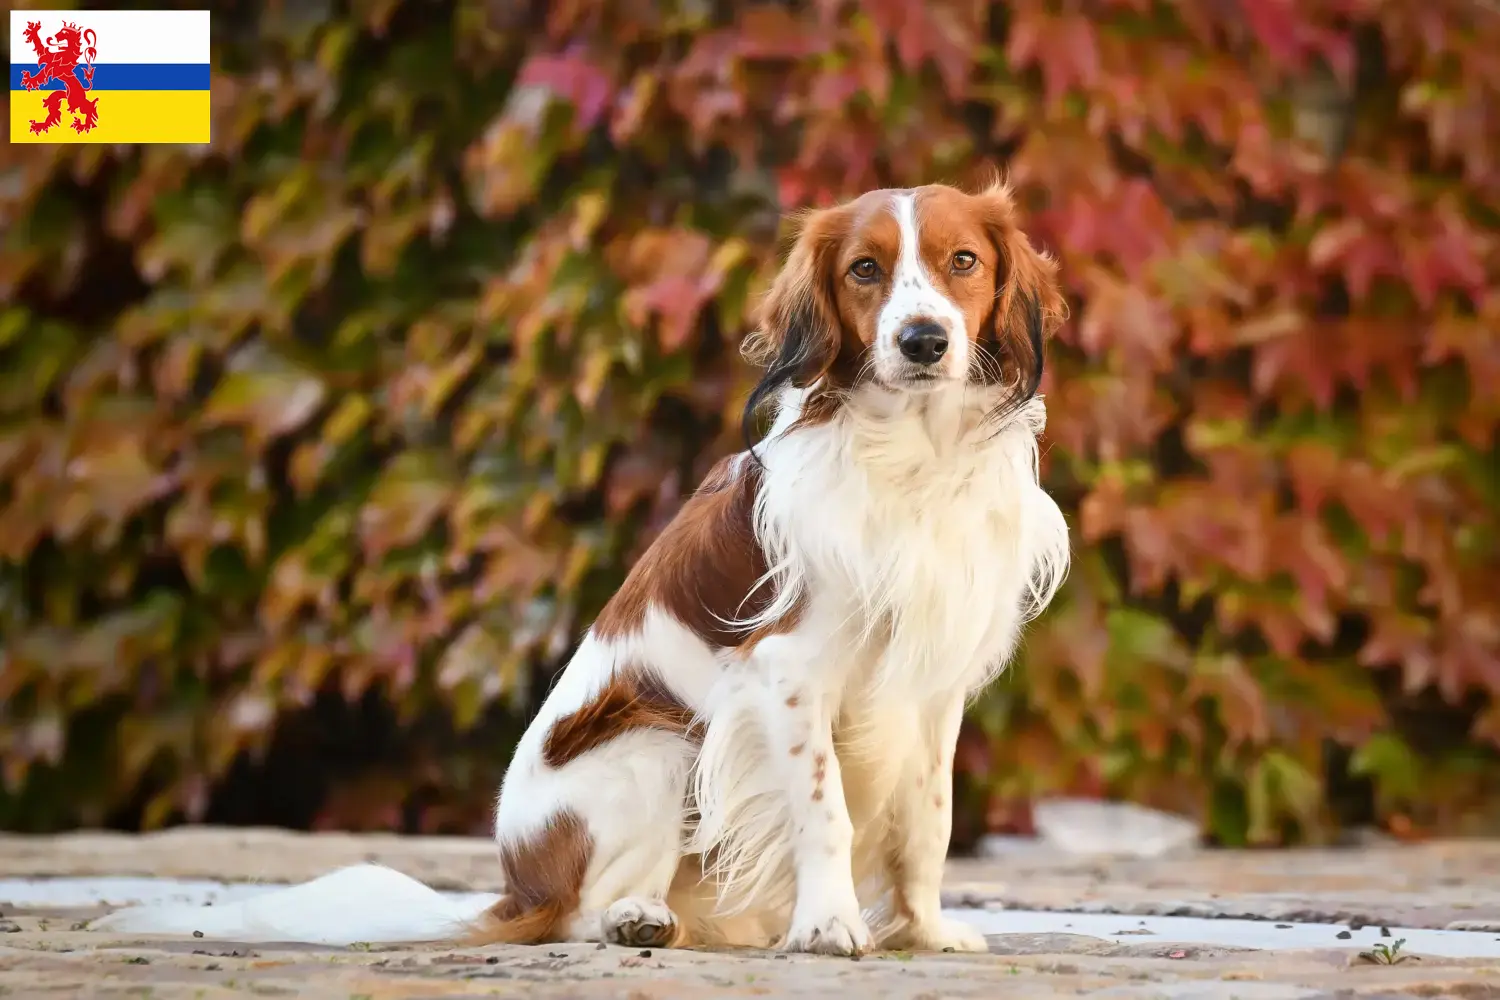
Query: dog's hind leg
(638,832)
(619,763)
(614,744)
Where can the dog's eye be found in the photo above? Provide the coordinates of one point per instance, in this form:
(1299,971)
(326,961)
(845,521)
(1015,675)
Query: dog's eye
(864,269)
(964,261)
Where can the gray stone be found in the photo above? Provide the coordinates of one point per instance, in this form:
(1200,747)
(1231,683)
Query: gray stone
(1488,926)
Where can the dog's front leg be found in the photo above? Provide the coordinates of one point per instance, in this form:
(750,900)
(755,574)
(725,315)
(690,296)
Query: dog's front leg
(918,844)
(799,714)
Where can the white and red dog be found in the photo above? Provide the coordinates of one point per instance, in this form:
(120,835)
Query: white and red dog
(754,743)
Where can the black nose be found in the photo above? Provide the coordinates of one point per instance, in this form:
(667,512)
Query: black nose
(923,342)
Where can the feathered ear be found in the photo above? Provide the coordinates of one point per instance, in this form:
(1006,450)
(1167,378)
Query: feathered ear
(1029,304)
(800,333)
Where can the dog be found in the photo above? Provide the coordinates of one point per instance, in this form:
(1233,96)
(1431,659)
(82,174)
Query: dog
(753,744)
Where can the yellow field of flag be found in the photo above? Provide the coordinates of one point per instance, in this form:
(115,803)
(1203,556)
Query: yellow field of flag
(115,76)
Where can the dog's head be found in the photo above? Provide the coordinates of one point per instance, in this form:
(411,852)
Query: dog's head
(912,291)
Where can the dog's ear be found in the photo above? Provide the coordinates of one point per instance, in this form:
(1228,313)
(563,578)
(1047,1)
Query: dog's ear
(1029,305)
(800,334)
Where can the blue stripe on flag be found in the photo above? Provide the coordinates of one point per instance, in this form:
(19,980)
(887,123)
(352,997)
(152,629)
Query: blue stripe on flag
(127,76)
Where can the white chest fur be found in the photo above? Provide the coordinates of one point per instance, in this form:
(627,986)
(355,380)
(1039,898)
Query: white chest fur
(924,525)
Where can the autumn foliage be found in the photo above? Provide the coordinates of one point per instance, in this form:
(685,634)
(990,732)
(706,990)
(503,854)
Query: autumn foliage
(372,402)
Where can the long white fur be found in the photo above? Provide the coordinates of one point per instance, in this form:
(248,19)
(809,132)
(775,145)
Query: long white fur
(919,541)
(362,903)
(922,563)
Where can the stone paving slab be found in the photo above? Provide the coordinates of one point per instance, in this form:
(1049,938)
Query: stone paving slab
(66,963)
(42,955)
(1439,884)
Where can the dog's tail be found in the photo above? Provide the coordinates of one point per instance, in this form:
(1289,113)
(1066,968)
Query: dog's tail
(368,904)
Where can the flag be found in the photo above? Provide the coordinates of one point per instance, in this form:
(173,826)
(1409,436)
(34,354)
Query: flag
(116,76)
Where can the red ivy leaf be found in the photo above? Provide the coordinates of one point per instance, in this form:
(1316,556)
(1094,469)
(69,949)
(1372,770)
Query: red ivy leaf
(1065,48)
(770,31)
(1275,25)
(922,30)
(572,77)
(1446,259)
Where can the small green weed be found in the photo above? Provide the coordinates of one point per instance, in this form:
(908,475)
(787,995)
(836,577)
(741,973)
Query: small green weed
(1386,954)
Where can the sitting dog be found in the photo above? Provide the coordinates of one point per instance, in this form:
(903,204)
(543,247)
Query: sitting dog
(753,744)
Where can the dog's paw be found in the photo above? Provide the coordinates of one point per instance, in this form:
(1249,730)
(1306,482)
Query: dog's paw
(938,934)
(950,935)
(640,923)
(834,935)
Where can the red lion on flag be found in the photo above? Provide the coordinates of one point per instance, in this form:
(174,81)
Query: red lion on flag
(56,58)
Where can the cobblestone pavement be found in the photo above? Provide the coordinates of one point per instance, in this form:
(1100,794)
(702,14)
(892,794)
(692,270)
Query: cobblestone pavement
(1433,885)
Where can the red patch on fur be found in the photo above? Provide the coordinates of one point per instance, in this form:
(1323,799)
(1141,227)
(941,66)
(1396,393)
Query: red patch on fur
(543,881)
(701,569)
(633,699)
